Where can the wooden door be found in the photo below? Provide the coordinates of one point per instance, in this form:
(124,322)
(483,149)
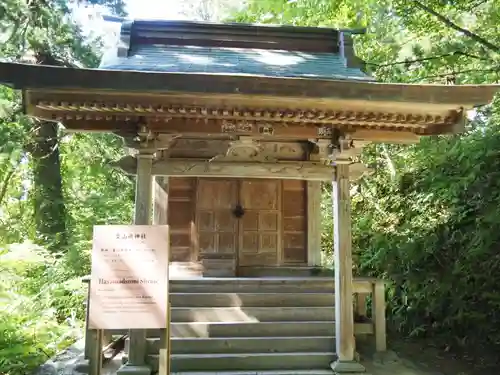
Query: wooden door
(217,226)
(259,228)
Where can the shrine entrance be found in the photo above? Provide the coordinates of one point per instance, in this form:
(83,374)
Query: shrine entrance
(240,223)
(233,129)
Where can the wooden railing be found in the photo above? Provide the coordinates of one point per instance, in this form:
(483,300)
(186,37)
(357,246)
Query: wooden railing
(375,323)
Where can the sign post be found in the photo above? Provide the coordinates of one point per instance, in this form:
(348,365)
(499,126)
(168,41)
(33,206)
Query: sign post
(129,279)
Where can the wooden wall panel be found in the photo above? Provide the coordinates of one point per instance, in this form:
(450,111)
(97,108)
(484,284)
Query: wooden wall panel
(181,209)
(294,222)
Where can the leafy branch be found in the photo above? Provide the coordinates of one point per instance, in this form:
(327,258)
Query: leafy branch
(453,74)
(437,57)
(454,26)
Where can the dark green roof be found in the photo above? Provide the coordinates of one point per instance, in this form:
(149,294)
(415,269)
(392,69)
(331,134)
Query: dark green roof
(270,63)
(187,47)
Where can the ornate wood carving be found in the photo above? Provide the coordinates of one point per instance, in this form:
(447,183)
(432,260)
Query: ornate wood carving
(208,148)
(212,127)
(340,150)
(245,149)
(243,119)
(204,168)
(148,142)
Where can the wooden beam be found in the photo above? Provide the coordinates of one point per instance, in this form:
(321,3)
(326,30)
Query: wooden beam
(344,315)
(292,170)
(204,168)
(385,136)
(203,129)
(314,223)
(26,76)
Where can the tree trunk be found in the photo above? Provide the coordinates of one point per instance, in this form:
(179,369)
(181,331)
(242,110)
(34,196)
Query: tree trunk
(50,211)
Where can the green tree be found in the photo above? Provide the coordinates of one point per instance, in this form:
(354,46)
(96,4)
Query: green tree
(53,188)
(44,33)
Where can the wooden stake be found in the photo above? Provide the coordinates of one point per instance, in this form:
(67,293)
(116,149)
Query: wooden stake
(164,368)
(95,352)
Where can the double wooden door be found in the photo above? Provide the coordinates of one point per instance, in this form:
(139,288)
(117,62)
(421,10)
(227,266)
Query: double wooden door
(239,222)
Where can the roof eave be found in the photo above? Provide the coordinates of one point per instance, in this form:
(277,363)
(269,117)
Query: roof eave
(25,76)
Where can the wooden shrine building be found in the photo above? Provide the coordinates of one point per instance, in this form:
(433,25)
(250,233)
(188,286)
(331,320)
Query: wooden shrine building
(240,124)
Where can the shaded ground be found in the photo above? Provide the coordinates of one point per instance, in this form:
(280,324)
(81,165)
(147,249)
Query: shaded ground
(406,357)
(423,357)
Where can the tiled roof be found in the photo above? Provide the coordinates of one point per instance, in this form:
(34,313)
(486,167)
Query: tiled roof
(233,61)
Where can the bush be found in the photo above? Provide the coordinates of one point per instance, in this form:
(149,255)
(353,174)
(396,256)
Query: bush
(40,308)
(432,230)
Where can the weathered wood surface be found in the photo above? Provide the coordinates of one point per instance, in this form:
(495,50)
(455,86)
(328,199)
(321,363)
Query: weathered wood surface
(379,317)
(260,227)
(294,211)
(217,227)
(306,39)
(95,352)
(344,316)
(314,223)
(160,205)
(142,216)
(27,76)
(204,168)
(207,129)
(160,217)
(181,219)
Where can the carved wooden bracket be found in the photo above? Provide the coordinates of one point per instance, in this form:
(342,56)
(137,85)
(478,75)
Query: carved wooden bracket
(147,142)
(341,149)
(245,149)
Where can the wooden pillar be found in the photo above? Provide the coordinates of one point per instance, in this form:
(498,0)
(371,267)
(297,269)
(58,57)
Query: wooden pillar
(160,207)
(142,216)
(314,223)
(378,315)
(160,217)
(344,316)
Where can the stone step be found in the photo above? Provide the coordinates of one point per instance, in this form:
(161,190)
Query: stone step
(246,361)
(248,285)
(251,314)
(285,271)
(223,345)
(252,299)
(252,329)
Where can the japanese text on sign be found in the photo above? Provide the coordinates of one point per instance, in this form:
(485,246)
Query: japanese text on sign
(129,283)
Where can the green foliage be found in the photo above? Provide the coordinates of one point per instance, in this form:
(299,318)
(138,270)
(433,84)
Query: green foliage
(40,292)
(433,232)
(40,307)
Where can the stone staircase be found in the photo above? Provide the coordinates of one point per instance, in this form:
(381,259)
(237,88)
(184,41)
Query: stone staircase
(274,325)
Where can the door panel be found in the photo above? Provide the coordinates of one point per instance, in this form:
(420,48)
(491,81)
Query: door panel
(217,226)
(259,237)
